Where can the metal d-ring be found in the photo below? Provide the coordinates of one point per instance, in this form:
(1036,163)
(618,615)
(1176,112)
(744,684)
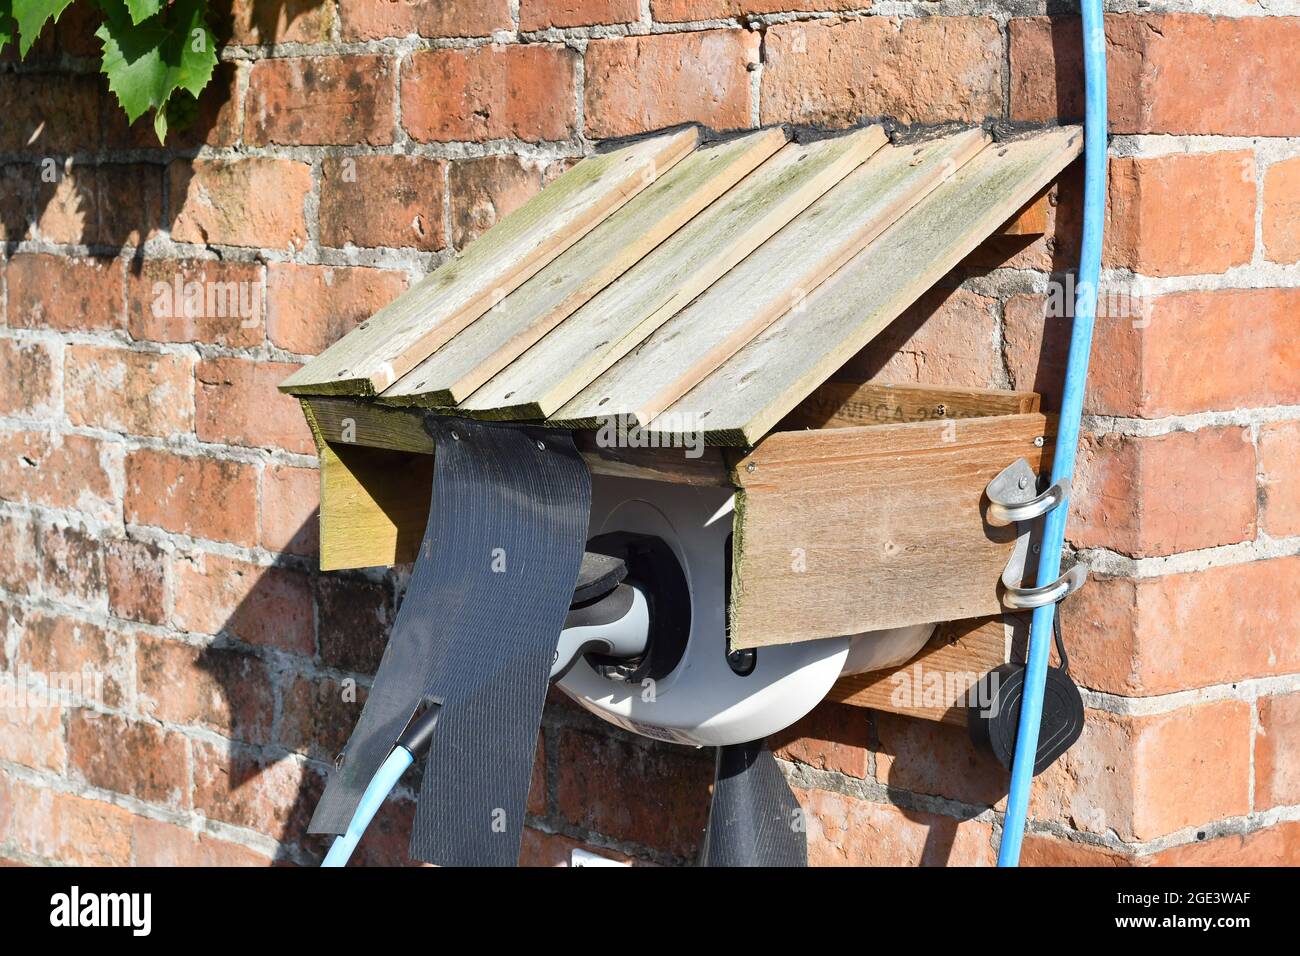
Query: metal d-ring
(1011,500)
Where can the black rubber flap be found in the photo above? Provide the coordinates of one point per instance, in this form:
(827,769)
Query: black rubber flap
(476,632)
(754,819)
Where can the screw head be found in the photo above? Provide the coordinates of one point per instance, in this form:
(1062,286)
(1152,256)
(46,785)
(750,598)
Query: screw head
(541,446)
(1023,482)
(1038,442)
(455,435)
(750,467)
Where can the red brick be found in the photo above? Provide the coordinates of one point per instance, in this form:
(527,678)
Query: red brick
(388,838)
(73,566)
(321,100)
(545,14)
(290,512)
(196,300)
(382,201)
(195,496)
(67,829)
(64,645)
(833,738)
(237,403)
(924,70)
(61,471)
(318,714)
(672,787)
(1181,631)
(137,580)
(490,92)
(927,757)
(486,190)
(135,758)
(16,201)
(1278,845)
(291,21)
(1277,758)
(667,11)
(19,568)
(1171,73)
(113,204)
(216,121)
(155,843)
(69,295)
(65,207)
(1181,214)
(1042,850)
(270,607)
(1178,492)
(376,19)
(27,368)
(844,831)
(49,113)
(311,307)
(1282,211)
(141,393)
(355,617)
(1145,777)
(1279,466)
(243,202)
(32,735)
(640,83)
(235,786)
(553,849)
(225,690)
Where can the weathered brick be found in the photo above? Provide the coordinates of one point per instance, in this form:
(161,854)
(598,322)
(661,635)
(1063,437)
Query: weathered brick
(1277,759)
(318,714)
(61,471)
(927,757)
(376,19)
(1172,73)
(1176,632)
(270,607)
(195,496)
(72,566)
(142,393)
(1281,221)
(355,617)
(833,737)
(101,660)
(667,11)
(196,300)
(66,204)
(1279,467)
(388,838)
(1277,845)
(48,113)
(54,292)
(311,307)
(225,690)
(291,21)
(926,70)
(290,519)
(486,190)
(138,587)
(132,757)
(32,735)
(27,368)
(216,121)
(321,100)
(1181,214)
(382,201)
(1042,850)
(237,403)
(113,204)
(554,849)
(155,843)
(16,201)
(640,83)
(19,567)
(1160,495)
(490,92)
(242,202)
(545,14)
(844,831)
(234,785)
(68,829)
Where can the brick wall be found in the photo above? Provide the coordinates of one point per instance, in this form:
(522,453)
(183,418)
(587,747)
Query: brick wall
(157,494)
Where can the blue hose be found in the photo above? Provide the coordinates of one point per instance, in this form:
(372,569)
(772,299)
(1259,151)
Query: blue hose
(381,784)
(1067,434)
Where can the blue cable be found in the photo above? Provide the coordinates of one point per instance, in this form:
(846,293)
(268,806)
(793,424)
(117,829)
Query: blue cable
(381,784)
(1067,433)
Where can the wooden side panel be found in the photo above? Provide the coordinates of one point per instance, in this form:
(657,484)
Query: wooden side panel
(847,530)
(838,404)
(1031,220)
(389,344)
(373,506)
(935,684)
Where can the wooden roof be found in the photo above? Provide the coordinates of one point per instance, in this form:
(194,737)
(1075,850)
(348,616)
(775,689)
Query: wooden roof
(690,288)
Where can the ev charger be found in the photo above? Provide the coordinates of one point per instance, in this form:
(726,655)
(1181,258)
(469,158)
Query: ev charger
(705,700)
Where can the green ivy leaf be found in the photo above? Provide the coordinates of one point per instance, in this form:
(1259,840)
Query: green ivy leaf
(142,10)
(7,25)
(32,15)
(145,62)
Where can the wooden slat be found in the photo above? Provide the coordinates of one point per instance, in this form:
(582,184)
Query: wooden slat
(648,294)
(846,530)
(744,398)
(845,404)
(375,354)
(1031,220)
(777,277)
(934,685)
(504,332)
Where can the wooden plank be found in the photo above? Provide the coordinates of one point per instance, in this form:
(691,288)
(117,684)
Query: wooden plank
(652,291)
(1031,220)
(745,397)
(935,684)
(775,278)
(503,333)
(838,404)
(344,423)
(406,331)
(847,530)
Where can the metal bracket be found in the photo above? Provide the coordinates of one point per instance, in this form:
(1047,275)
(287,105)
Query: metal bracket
(1012,500)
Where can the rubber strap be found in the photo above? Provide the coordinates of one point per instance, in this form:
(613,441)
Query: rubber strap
(754,819)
